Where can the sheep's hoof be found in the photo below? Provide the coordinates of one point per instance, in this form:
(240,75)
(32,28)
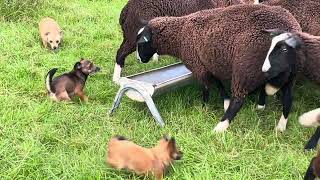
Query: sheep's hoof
(282,124)
(261,107)
(221,126)
(155,57)
(226,104)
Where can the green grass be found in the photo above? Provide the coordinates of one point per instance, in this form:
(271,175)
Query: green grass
(46,140)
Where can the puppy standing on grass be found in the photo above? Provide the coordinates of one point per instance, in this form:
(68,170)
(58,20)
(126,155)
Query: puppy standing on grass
(50,33)
(125,154)
(69,84)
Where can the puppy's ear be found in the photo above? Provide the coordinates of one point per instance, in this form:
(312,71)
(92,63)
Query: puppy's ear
(77,66)
(47,33)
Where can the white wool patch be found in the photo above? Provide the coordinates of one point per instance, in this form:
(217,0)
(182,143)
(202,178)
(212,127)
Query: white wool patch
(282,124)
(266,65)
(260,107)
(155,57)
(116,73)
(226,104)
(140,30)
(222,126)
(310,119)
(271,90)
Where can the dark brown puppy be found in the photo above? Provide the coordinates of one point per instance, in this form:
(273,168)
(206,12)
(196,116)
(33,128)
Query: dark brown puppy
(313,170)
(72,83)
(123,153)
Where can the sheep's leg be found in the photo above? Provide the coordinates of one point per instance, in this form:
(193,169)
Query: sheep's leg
(313,141)
(286,103)
(125,49)
(234,107)
(205,94)
(309,173)
(262,98)
(223,94)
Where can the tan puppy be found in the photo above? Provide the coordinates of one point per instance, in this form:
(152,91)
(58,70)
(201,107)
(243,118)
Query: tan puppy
(125,154)
(50,33)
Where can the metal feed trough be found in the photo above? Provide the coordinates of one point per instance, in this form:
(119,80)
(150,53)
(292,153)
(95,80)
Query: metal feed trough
(143,86)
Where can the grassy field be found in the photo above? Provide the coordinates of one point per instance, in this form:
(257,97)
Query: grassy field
(40,139)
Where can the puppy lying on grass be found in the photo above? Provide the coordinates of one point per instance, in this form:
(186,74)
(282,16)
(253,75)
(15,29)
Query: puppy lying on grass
(123,153)
(50,33)
(65,86)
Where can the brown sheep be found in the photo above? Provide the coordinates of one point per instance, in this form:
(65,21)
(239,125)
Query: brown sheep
(213,43)
(135,10)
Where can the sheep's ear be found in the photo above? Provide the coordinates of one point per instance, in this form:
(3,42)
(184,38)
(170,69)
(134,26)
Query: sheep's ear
(273,32)
(294,42)
(142,21)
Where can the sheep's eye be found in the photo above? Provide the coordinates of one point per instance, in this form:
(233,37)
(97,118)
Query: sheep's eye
(50,41)
(284,49)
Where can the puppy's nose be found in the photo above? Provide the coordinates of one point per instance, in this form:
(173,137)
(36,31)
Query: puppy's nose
(54,47)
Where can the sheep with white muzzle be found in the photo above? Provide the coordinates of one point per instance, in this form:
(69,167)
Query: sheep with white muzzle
(213,43)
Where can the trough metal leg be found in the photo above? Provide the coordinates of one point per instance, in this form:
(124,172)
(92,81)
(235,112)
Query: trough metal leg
(152,107)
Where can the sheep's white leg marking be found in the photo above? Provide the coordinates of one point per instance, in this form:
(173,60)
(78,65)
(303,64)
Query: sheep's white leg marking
(261,107)
(310,119)
(256,2)
(271,90)
(116,73)
(226,104)
(222,126)
(266,65)
(155,57)
(282,124)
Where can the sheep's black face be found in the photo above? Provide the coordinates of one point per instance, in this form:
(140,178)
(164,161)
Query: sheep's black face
(144,45)
(282,55)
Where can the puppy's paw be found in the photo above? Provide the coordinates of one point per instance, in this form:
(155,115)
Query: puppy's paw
(261,107)
(221,126)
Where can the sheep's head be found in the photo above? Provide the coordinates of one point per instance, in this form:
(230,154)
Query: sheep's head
(282,53)
(144,45)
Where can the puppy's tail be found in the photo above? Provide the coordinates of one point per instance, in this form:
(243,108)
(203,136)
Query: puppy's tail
(49,77)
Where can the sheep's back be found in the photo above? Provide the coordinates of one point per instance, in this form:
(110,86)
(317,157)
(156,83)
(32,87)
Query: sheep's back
(149,9)
(231,36)
(307,13)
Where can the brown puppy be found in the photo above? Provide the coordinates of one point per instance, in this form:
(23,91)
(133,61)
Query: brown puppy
(50,33)
(313,170)
(125,154)
(69,84)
